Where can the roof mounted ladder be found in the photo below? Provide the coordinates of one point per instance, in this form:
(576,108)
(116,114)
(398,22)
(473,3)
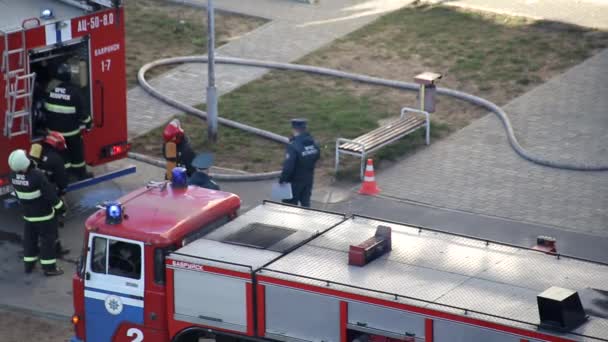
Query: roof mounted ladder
(19,89)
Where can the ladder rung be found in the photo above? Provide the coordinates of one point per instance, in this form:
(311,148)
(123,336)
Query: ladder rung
(12,73)
(20,96)
(19,114)
(21,132)
(14,51)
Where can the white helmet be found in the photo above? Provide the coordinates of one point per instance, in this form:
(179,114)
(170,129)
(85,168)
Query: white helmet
(18,161)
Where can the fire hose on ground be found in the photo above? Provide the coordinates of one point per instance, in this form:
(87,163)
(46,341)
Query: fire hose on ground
(499,112)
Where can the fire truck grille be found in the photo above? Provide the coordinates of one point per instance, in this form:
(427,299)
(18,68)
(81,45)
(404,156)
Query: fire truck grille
(259,235)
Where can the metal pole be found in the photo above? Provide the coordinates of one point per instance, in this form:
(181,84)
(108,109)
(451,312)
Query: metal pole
(211,91)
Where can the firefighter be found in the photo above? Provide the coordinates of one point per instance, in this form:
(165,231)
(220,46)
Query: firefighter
(48,157)
(201,178)
(41,205)
(65,113)
(299,165)
(173,135)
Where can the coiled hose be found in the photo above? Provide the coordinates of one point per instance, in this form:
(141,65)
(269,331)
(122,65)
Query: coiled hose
(340,74)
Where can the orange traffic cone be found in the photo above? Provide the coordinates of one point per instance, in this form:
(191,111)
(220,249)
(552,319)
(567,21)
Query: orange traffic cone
(369,186)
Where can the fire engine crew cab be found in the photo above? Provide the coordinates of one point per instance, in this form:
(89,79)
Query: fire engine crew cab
(169,264)
(37,37)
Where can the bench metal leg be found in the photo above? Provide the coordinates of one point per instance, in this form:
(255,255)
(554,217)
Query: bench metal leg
(337,164)
(362,172)
(428,132)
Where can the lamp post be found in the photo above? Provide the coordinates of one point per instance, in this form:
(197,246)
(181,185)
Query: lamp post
(211,90)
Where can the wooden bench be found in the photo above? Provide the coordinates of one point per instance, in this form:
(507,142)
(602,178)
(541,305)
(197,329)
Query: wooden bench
(409,121)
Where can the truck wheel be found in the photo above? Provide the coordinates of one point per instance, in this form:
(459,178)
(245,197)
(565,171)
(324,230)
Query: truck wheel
(224,338)
(192,336)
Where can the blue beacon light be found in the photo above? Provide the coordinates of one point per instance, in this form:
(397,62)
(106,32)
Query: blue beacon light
(113,213)
(179,177)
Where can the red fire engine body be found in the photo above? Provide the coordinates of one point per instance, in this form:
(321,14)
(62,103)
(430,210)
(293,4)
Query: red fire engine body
(35,37)
(181,265)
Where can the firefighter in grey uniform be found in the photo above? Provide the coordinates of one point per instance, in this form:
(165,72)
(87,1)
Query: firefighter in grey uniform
(299,165)
(40,208)
(65,113)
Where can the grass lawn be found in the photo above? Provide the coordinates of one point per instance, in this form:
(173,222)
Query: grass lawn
(158,29)
(494,56)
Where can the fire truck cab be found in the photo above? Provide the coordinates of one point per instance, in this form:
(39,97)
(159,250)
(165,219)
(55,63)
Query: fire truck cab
(180,266)
(120,286)
(36,36)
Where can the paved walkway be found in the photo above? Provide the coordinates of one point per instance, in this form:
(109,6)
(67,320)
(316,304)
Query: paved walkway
(589,13)
(475,170)
(295,30)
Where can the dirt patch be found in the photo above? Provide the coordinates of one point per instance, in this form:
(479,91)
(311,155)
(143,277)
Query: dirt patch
(493,56)
(15,326)
(158,29)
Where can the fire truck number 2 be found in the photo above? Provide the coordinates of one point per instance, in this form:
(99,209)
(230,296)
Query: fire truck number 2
(95,22)
(136,333)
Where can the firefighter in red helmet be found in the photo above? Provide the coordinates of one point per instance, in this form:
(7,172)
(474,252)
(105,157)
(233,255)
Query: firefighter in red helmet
(176,147)
(49,158)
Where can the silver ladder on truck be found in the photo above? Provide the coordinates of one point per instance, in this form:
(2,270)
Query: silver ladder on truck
(19,84)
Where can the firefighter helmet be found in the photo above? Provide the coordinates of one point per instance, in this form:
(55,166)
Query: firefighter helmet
(173,131)
(18,161)
(64,72)
(55,140)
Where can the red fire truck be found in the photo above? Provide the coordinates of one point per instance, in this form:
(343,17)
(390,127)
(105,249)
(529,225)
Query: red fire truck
(38,35)
(177,264)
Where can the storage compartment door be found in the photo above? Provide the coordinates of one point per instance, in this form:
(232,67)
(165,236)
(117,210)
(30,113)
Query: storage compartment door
(384,321)
(295,314)
(211,300)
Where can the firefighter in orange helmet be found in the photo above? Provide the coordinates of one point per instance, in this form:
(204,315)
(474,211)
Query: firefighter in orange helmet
(173,135)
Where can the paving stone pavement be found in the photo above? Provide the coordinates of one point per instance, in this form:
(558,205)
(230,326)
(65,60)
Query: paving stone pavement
(475,169)
(589,13)
(295,29)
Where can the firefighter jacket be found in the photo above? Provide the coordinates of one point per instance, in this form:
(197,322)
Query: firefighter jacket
(65,111)
(37,196)
(300,159)
(51,162)
(185,155)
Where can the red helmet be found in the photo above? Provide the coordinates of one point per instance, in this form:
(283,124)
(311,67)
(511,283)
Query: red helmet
(56,140)
(173,131)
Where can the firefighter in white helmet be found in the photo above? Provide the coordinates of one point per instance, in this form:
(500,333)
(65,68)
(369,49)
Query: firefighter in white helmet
(41,205)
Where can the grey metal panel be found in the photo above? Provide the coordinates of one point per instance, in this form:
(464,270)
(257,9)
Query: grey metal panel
(225,252)
(306,222)
(210,297)
(386,319)
(444,269)
(13,12)
(301,315)
(381,274)
(446,331)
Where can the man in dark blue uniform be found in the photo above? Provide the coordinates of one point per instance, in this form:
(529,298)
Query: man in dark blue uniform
(200,177)
(299,165)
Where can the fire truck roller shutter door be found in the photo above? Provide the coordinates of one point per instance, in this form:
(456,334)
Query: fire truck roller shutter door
(301,315)
(385,319)
(446,331)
